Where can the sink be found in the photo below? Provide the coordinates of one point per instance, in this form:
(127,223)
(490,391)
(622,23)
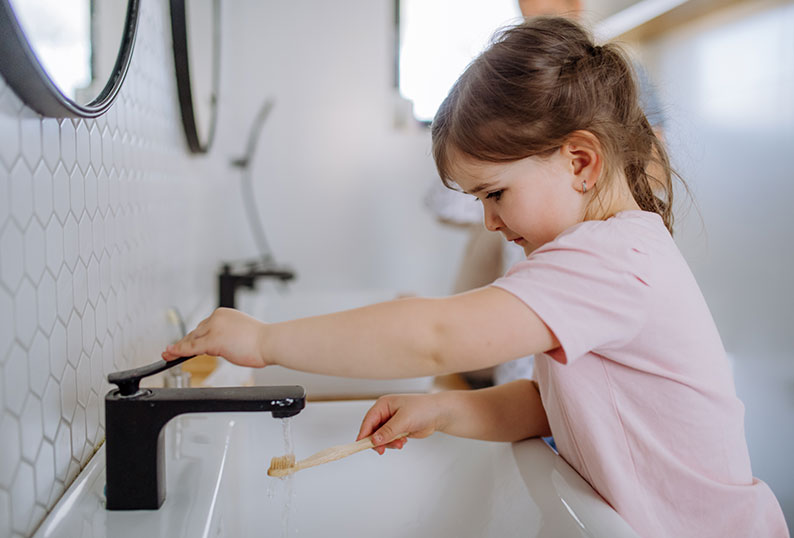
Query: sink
(441,486)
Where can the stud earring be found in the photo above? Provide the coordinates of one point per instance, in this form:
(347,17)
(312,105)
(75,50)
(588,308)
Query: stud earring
(584,187)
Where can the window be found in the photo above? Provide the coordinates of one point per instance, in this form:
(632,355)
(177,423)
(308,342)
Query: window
(438,39)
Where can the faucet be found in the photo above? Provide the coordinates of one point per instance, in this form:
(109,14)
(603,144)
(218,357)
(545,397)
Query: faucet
(263,266)
(230,279)
(135,417)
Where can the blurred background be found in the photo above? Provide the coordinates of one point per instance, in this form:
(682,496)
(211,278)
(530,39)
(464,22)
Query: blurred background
(106,223)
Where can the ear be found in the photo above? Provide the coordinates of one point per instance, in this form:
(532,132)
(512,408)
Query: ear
(583,158)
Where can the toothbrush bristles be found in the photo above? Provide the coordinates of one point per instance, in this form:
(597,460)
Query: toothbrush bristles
(280,464)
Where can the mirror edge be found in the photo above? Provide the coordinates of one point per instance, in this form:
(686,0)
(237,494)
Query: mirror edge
(179,34)
(23,72)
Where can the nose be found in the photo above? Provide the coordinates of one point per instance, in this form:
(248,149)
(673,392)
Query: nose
(491,219)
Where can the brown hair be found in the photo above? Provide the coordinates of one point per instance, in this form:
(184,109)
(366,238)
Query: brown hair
(532,88)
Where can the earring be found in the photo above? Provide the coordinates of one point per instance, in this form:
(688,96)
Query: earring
(584,187)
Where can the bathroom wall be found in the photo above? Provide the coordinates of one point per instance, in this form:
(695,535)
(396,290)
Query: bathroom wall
(101,228)
(728,81)
(105,223)
(341,189)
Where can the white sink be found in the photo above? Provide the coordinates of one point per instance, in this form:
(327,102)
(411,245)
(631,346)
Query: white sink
(440,486)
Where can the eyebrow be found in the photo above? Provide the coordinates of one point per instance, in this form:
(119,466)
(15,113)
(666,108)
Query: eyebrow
(479,188)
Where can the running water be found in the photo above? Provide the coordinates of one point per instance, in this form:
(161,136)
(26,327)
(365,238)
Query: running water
(286,428)
(284,485)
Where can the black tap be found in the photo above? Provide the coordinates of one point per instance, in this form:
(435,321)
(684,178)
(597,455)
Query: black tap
(134,420)
(230,279)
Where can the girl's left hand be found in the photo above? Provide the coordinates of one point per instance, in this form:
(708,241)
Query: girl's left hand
(418,415)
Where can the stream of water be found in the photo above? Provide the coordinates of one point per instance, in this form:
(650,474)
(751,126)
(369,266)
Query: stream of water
(283,487)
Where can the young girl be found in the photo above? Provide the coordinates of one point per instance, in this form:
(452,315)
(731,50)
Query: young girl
(544,128)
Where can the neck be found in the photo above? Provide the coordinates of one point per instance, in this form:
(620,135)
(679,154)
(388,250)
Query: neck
(615,198)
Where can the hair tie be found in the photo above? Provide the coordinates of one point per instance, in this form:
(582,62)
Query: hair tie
(595,50)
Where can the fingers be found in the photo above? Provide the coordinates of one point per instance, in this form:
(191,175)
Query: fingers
(380,423)
(376,415)
(195,342)
(392,416)
(388,436)
(192,344)
(398,445)
(183,348)
(385,434)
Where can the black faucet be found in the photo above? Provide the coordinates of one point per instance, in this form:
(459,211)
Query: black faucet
(134,420)
(230,279)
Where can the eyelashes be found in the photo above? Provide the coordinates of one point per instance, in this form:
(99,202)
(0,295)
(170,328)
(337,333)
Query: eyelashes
(495,196)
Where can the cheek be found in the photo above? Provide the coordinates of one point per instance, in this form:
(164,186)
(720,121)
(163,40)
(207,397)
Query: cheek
(543,227)
(543,219)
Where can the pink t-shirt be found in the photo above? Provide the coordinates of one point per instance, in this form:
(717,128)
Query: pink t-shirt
(640,395)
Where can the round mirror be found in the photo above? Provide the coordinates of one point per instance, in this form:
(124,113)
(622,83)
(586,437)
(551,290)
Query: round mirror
(67,59)
(195,26)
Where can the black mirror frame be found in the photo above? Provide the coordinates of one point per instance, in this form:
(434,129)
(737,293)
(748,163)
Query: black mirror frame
(25,75)
(179,32)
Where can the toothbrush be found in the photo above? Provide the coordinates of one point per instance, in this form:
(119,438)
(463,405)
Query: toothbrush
(284,465)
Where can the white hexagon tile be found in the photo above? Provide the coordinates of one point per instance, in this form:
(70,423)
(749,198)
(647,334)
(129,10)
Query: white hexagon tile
(86,216)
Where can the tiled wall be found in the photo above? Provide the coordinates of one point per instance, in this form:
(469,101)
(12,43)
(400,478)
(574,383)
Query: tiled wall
(103,224)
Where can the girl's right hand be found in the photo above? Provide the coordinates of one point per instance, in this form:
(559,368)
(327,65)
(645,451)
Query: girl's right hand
(226,333)
(418,415)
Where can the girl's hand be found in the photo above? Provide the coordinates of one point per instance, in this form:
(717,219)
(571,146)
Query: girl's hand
(226,333)
(418,415)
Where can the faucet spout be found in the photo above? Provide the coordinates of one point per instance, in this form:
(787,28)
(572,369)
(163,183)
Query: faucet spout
(135,444)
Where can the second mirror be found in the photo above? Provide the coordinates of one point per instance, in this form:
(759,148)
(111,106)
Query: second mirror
(195,26)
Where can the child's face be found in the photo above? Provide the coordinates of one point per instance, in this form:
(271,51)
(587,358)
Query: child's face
(530,201)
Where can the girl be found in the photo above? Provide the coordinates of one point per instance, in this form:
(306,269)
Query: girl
(544,128)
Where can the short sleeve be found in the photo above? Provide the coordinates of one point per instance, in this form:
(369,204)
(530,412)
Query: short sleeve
(588,288)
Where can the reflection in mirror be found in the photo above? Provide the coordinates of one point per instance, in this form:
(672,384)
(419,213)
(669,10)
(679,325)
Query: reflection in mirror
(76,45)
(67,58)
(195,28)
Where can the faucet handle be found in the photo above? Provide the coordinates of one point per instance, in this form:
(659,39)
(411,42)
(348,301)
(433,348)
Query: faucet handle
(129,381)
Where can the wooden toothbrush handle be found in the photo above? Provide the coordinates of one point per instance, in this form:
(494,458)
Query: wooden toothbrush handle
(338,452)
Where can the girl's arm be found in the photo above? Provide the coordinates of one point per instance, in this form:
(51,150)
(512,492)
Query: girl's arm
(508,412)
(403,338)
